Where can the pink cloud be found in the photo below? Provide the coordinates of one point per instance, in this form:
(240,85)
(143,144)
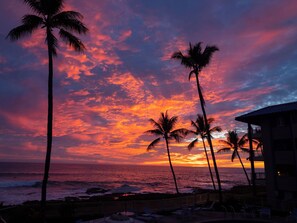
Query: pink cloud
(2,60)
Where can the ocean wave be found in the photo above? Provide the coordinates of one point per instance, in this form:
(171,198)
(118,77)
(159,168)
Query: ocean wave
(21,174)
(8,184)
(38,183)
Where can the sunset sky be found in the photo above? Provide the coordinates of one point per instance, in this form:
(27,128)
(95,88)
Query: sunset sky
(104,97)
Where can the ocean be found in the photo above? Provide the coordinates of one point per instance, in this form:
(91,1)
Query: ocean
(20,182)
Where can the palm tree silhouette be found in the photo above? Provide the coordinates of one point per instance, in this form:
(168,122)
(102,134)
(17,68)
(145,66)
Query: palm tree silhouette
(49,16)
(201,130)
(259,144)
(164,128)
(235,143)
(196,60)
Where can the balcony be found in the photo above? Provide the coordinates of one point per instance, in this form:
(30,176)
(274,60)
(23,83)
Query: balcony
(284,157)
(281,132)
(286,183)
(260,178)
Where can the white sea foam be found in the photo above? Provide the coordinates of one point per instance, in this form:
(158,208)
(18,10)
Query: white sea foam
(7,184)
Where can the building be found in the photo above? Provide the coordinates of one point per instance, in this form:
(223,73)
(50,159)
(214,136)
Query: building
(279,136)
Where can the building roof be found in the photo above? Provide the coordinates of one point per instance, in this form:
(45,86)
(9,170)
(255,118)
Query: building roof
(254,117)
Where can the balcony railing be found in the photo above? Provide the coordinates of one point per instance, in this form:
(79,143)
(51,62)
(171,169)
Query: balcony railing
(260,176)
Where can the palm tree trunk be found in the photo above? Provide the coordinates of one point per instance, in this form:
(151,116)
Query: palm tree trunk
(209,139)
(49,123)
(209,168)
(171,167)
(247,177)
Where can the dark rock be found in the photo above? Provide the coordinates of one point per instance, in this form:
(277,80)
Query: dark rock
(71,199)
(96,190)
(84,197)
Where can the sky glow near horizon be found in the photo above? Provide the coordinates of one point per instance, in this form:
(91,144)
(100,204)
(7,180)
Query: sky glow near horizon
(104,97)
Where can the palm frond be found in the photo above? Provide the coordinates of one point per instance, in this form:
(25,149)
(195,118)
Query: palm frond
(259,146)
(66,15)
(35,6)
(19,31)
(153,144)
(30,24)
(202,127)
(72,40)
(182,132)
(190,48)
(194,124)
(226,149)
(51,7)
(226,143)
(185,60)
(246,150)
(232,137)
(178,134)
(70,21)
(215,129)
(156,124)
(190,74)
(243,140)
(200,122)
(256,141)
(177,55)
(166,122)
(163,119)
(195,59)
(172,121)
(233,155)
(175,136)
(210,120)
(192,132)
(164,126)
(154,132)
(32,20)
(207,55)
(195,52)
(192,144)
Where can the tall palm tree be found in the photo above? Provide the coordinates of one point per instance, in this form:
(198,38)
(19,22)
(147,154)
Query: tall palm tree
(196,60)
(164,128)
(49,16)
(201,130)
(235,143)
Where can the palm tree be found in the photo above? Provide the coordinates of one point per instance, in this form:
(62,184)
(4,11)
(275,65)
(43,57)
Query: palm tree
(201,130)
(259,142)
(196,60)
(49,16)
(164,128)
(235,143)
